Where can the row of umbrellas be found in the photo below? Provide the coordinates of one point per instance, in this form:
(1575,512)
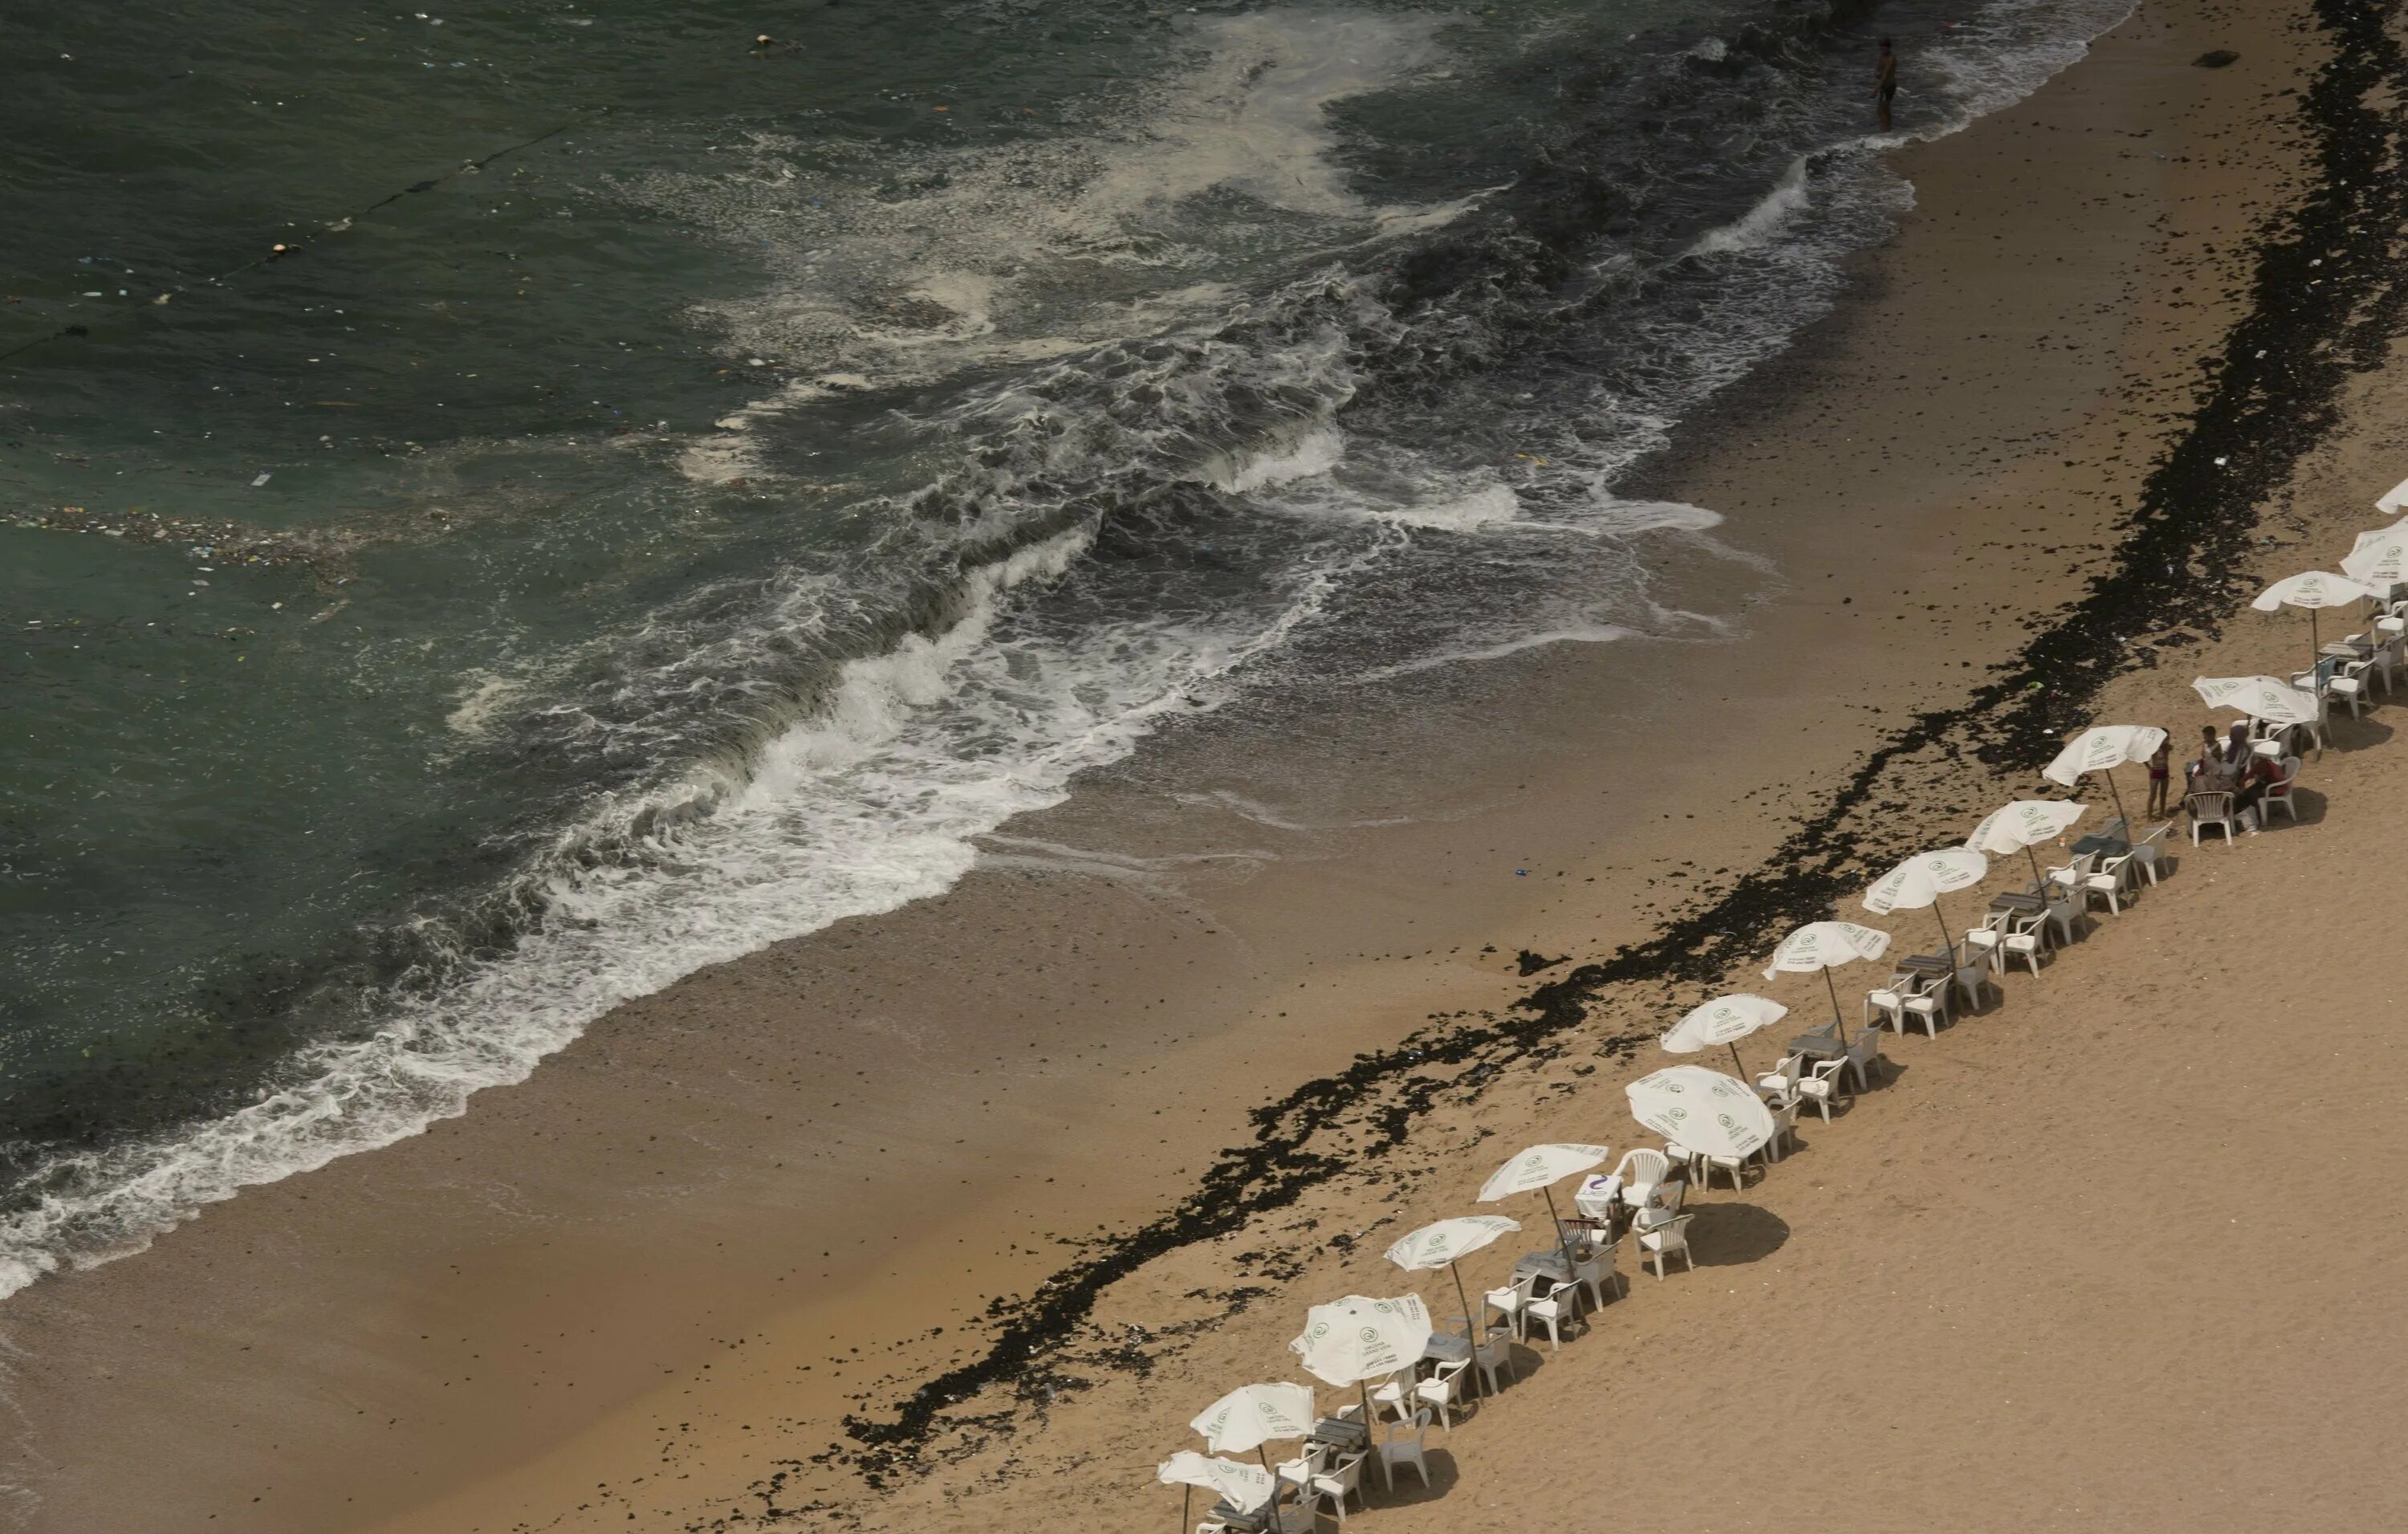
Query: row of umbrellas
(1358,1338)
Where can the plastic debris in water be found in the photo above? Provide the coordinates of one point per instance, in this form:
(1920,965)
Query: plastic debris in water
(261,481)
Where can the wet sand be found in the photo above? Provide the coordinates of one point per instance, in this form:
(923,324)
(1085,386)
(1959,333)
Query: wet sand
(630,1292)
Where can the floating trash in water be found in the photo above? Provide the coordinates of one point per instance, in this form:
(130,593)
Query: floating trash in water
(261,481)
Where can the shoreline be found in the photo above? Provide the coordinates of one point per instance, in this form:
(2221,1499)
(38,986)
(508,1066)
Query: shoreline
(1697,945)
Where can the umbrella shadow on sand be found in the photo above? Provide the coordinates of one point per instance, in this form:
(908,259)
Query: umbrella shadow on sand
(1731,1235)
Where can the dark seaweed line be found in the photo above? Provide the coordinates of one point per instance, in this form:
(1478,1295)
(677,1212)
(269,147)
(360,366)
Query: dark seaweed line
(2185,548)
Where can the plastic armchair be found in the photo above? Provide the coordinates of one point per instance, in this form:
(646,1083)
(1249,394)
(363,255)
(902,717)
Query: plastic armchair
(1493,1353)
(2069,878)
(1670,1239)
(1641,1172)
(1558,1305)
(1731,1164)
(1985,942)
(1864,1061)
(1336,1483)
(2025,940)
(1595,1273)
(1442,1392)
(1299,1471)
(1823,1085)
(1785,1126)
(1782,1079)
(1927,1004)
(2062,916)
(2278,795)
(1511,1303)
(1402,1449)
(2146,854)
(2214,808)
(1886,1004)
(2109,882)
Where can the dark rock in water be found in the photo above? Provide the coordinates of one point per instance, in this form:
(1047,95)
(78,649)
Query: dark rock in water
(2217,59)
(1531,963)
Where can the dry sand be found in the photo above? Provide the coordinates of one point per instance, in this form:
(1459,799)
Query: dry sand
(2067,1269)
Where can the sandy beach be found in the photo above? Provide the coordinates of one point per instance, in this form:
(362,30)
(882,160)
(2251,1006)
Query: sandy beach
(952,1217)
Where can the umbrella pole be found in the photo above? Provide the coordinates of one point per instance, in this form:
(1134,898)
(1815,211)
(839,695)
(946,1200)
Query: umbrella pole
(2039,885)
(1186,1505)
(2130,830)
(1563,1242)
(1733,1047)
(1470,1322)
(1947,944)
(1837,1021)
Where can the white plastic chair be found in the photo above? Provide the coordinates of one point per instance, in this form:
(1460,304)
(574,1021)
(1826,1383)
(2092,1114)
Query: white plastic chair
(1559,1304)
(1402,1450)
(1884,1005)
(2070,877)
(1496,1352)
(1986,942)
(1928,1005)
(2024,940)
(2210,809)
(1823,1084)
(2062,915)
(1641,1172)
(1784,1117)
(1511,1302)
(1594,1272)
(2108,882)
(2279,794)
(1864,1060)
(1970,978)
(1782,1079)
(2145,854)
(1335,1484)
(1444,1391)
(1731,1164)
(1670,1239)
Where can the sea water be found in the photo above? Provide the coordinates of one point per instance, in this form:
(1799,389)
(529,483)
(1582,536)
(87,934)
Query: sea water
(669,494)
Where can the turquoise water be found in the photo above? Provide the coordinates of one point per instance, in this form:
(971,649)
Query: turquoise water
(671,495)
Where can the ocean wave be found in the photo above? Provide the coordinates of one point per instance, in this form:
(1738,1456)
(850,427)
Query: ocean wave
(1175,487)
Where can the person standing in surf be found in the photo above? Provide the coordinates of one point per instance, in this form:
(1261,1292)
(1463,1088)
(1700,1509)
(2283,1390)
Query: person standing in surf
(1886,80)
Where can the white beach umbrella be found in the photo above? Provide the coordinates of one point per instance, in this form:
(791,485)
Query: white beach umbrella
(1542,1166)
(2312,590)
(2394,500)
(1725,1021)
(1357,1339)
(2024,825)
(2101,749)
(2380,557)
(1824,946)
(2270,698)
(1448,1242)
(1244,1487)
(1252,1415)
(1701,1109)
(1923,879)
